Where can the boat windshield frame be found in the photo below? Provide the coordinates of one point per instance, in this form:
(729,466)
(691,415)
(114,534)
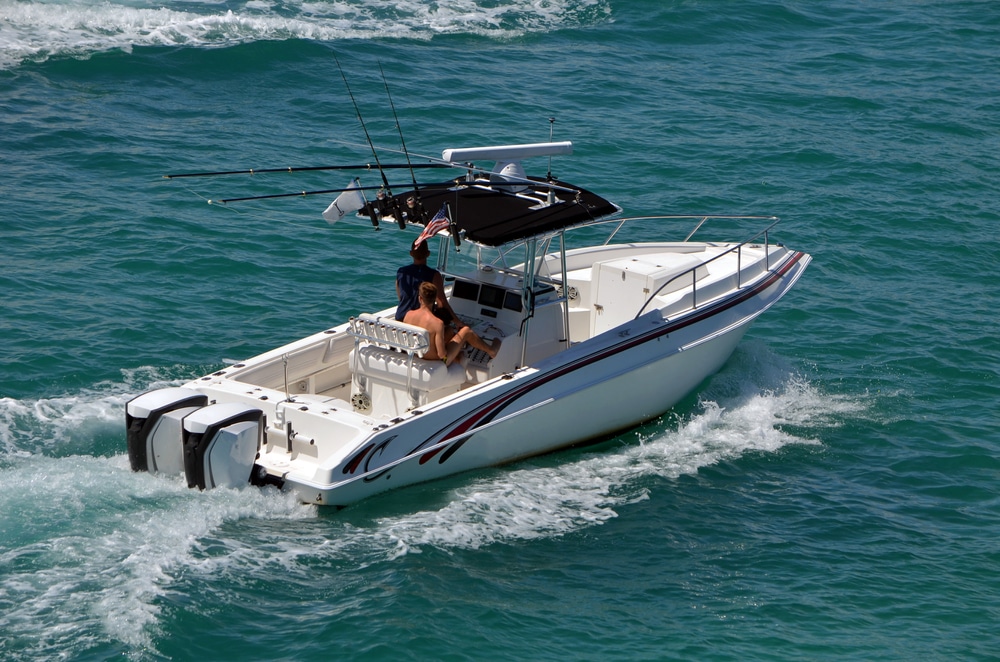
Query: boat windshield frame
(545,248)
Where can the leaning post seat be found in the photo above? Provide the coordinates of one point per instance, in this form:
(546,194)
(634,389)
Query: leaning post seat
(389,375)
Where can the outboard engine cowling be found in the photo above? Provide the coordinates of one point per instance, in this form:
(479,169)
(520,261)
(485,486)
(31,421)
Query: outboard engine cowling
(144,422)
(221,444)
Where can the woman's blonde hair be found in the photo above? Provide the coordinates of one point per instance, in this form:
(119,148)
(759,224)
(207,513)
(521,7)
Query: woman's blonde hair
(428,294)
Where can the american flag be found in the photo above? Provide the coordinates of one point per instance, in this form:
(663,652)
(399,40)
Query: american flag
(436,224)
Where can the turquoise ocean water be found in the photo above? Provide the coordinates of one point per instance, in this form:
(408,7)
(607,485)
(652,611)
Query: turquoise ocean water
(831,494)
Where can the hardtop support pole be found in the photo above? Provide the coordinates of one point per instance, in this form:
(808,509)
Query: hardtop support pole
(528,295)
(565,287)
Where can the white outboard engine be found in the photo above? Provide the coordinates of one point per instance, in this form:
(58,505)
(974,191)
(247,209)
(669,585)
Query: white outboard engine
(220,444)
(153,422)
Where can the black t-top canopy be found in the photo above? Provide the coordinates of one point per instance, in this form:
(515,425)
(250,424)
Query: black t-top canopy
(496,213)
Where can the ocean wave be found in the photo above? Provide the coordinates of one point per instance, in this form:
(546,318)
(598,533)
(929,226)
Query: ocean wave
(37,31)
(73,423)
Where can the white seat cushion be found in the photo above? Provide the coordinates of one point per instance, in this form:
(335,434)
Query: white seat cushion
(393,367)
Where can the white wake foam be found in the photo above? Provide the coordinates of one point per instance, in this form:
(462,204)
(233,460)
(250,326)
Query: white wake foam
(757,404)
(535,502)
(92,550)
(742,412)
(36,31)
(64,424)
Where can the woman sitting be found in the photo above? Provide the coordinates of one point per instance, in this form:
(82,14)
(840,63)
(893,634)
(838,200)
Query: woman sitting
(445,343)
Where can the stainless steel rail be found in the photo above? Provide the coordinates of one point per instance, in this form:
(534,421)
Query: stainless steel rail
(738,249)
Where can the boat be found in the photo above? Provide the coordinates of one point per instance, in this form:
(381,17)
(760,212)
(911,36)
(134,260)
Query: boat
(596,334)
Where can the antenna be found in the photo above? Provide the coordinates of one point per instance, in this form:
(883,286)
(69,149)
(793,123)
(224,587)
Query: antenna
(548,176)
(552,123)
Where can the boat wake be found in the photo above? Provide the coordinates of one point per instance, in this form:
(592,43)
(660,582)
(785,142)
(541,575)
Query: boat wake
(36,31)
(77,422)
(95,551)
(750,406)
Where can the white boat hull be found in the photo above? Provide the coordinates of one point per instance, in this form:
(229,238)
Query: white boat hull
(589,411)
(350,412)
(577,397)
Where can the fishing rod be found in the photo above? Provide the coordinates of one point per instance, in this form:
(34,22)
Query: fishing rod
(256,171)
(418,206)
(436,185)
(399,216)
